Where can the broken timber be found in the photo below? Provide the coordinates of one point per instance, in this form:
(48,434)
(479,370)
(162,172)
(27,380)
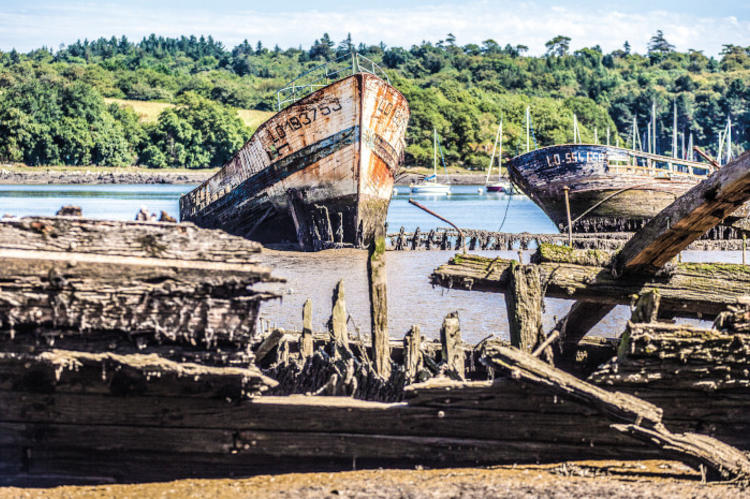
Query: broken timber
(687,289)
(688,218)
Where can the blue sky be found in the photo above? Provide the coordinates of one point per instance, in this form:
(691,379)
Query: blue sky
(687,24)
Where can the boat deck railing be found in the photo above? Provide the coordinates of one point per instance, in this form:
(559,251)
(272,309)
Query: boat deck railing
(655,165)
(325,74)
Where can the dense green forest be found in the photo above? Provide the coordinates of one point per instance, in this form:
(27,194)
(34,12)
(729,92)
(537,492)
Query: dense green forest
(52,107)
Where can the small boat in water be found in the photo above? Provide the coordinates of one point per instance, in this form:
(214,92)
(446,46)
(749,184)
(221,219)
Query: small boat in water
(320,172)
(502,185)
(430,185)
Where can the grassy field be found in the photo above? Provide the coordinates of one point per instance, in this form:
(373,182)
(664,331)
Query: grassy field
(148,111)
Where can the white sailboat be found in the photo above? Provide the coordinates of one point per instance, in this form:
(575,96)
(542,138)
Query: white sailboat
(502,184)
(430,185)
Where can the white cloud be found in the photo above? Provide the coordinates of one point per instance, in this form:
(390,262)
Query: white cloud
(507,22)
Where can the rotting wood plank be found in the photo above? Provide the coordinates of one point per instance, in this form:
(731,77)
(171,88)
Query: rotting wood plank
(664,236)
(635,416)
(452,353)
(173,300)
(688,289)
(104,373)
(376,274)
(688,218)
(523,300)
(183,241)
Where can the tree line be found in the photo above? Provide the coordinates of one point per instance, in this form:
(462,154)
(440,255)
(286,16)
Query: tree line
(52,108)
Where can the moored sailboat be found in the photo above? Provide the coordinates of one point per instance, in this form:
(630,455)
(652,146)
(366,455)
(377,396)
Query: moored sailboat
(430,185)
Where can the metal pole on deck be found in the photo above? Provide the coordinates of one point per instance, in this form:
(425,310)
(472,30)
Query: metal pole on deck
(566,190)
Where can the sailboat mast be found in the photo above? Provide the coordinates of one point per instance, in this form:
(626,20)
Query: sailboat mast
(674,129)
(528,120)
(494,148)
(729,139)
(653,127)
(500,154)
(434,152)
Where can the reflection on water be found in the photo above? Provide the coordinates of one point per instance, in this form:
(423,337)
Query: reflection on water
(411,298)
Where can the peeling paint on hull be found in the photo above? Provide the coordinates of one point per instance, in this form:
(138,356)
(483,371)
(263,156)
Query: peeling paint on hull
(319,173)
(626,195)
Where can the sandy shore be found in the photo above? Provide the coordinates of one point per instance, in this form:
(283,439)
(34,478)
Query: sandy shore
(98,175)
(612,479)
(41,176)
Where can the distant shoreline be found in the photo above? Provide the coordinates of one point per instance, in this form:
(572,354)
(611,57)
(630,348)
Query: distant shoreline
(13,175)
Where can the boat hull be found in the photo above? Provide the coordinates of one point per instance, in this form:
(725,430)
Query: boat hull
(318,174)
(606,190)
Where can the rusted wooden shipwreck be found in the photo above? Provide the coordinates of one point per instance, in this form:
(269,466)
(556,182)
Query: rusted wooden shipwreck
(320,172)
(129,352)
(610,188)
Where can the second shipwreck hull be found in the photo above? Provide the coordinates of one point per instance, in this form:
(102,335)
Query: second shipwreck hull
(610,188)
(318,173)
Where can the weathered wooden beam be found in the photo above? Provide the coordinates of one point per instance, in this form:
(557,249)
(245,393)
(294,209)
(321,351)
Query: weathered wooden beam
(635,416)
(452,353)
(171,300)
(306,338)
(413,358)
(688,289)
(523,299)
(337,322)
(273,339)
(175,300)
(664,236)
(376,275)
(687,219)
(135,374)
(183,241)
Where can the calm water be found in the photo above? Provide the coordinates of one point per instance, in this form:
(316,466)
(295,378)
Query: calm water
(411,298)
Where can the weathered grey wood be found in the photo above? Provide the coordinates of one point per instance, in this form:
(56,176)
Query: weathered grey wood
(523,300)
(337,322)
(450,339)
(174,300)
(722,461)
(273,339)
(413,358)
(67,370)
(688,289)
(671,231)
(641,419)
(183,241)
(646,307)
(376,274)
(306,339)
(687,219)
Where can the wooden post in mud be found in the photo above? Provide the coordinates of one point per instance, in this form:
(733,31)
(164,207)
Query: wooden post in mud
(338,317)
(646,307)
(413,359)
(381,349)
(450,338)
(566,191)
(306,342)
(523,300)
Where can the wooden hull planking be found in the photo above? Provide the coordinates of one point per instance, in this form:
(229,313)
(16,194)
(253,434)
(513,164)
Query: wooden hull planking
(628,194)
(319,172)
